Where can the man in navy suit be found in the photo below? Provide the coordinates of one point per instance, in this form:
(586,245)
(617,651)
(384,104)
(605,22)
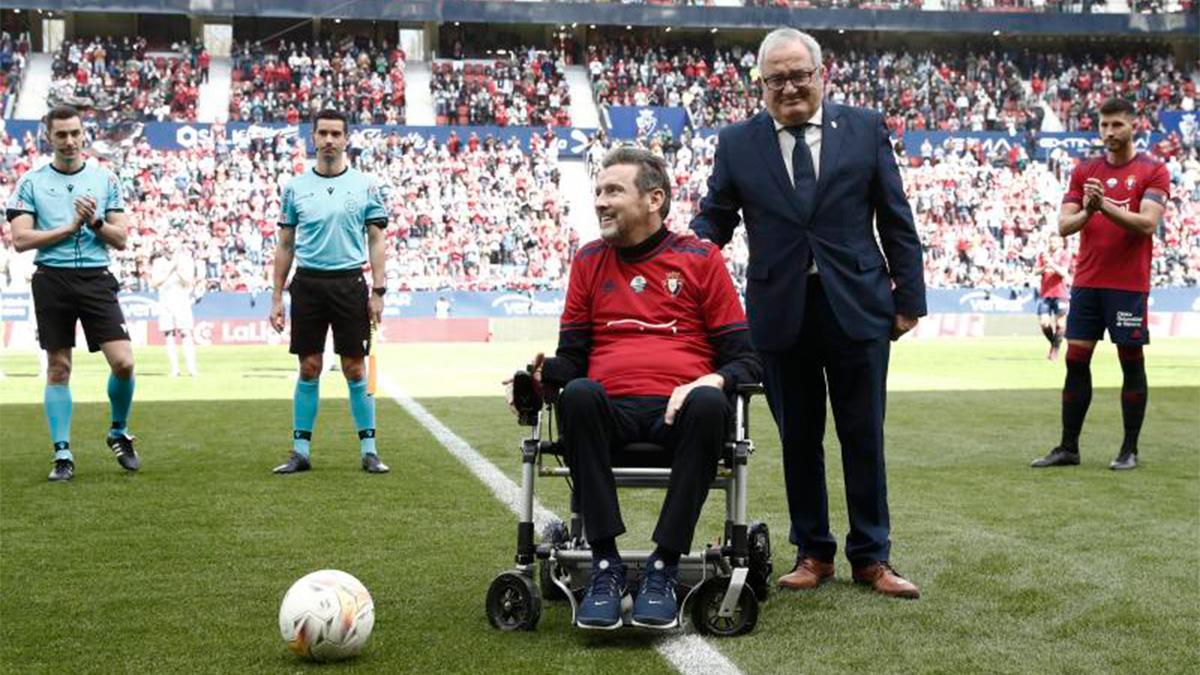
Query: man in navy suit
(815,182)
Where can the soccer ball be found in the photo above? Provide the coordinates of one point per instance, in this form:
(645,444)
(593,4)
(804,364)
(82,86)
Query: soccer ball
(326,616)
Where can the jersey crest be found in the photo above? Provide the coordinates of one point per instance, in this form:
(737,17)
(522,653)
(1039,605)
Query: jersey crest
(674,283)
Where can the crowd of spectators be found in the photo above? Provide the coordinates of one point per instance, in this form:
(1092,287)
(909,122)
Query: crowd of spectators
(525,88)
(1075,86)
(935,91)
(983,218)
(14,51)
(469,214)
(716,87)
(943,90)
(480,214)
(112,79)
(290,81)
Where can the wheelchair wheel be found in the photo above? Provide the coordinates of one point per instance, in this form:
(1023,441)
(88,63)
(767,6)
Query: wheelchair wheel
(513,603)
(707,605)
(761,568)
(555,534)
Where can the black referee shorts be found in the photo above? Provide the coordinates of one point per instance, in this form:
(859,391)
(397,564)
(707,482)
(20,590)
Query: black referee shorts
(64,295)
(321,299)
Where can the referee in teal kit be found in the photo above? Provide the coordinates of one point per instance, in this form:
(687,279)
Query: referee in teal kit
(330,218)
(71,211)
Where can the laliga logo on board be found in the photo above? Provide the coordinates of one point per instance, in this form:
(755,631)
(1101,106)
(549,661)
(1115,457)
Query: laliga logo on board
(514,304)
(985,301)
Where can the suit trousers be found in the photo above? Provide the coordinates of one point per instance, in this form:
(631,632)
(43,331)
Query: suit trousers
(854,373)
(595,427)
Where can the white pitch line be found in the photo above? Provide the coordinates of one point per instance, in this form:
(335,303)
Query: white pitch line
(508,492)
(688,653)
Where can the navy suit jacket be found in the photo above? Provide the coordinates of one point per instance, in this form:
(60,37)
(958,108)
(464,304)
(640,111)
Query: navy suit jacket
(858,192)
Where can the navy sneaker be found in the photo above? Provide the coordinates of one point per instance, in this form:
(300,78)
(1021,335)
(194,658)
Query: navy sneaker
(372,464)
(296,463)
(600,608)
(64,470)
(655,606)
(122,448)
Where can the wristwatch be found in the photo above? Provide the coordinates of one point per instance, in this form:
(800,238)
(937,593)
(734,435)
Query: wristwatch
(96,224)
(380,291)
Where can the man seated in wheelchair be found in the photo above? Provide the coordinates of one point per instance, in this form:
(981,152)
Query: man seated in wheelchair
(652,343)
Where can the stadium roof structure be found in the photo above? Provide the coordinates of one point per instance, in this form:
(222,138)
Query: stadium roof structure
(557,13)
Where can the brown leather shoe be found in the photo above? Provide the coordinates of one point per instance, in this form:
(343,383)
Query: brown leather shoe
(807,574)
(883,579)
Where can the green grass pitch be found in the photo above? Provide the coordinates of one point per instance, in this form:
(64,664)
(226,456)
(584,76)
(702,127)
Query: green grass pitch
(181,567)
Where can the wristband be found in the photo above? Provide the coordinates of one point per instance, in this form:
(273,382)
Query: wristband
(96,224)
(380,291)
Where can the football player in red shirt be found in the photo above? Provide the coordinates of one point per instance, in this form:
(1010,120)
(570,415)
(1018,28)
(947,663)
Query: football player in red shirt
(1053,267)
(1116,203)
(652,341)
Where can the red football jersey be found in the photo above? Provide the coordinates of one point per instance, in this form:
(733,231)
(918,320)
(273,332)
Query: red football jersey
(1109,255)
(651,317)
(1054,285)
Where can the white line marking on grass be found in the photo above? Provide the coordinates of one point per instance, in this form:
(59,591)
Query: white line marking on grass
(508,492)
(688,653)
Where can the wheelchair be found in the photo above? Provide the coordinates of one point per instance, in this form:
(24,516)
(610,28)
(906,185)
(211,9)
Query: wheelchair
(721,585)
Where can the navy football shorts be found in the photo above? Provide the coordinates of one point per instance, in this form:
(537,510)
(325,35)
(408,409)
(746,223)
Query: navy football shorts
(1122,313)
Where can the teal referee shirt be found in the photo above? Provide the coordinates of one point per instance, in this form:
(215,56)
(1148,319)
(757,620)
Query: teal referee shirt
(49,196)
(331,215)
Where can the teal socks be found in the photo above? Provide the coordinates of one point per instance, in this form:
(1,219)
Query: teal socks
(304,414)
(362,408)
(120,400)
(57,401)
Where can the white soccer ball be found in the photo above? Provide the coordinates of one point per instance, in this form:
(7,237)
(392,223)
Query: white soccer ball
(326,616)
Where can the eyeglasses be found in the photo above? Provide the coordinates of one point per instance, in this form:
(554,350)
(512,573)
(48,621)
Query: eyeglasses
(798,78)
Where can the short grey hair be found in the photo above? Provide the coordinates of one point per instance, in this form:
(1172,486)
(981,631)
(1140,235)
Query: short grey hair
(783,35)
(652,172)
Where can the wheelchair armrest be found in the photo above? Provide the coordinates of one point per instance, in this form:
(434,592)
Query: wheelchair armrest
(749,390)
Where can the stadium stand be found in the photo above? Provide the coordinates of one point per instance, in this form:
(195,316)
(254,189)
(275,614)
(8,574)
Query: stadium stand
(527,88)
(716,87)
(477,214)
(112,79)
(1076,86)
(936,90)
(291,81)
(982,219)
(468,215)
(13,51)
